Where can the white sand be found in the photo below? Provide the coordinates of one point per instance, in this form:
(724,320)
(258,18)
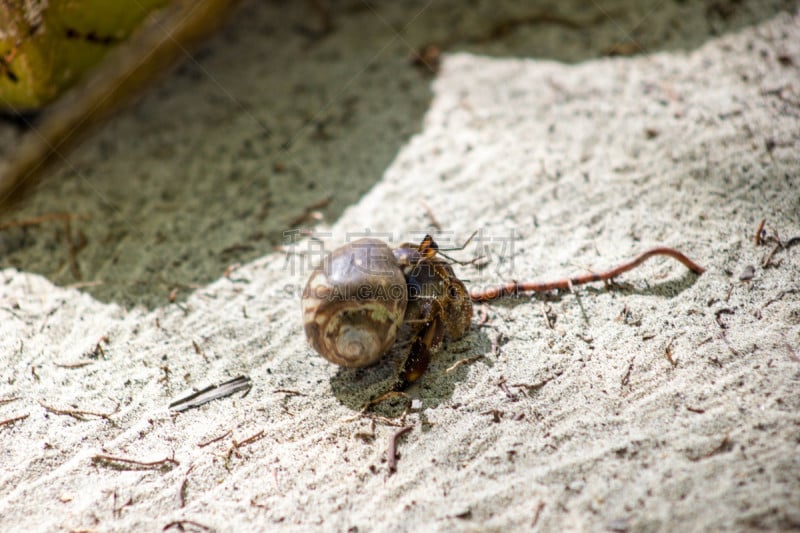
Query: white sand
(609,434)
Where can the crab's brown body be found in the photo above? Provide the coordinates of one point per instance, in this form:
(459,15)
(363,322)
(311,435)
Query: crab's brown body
(439,306)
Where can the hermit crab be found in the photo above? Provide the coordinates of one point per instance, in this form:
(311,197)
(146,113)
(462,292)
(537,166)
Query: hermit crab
(364,293)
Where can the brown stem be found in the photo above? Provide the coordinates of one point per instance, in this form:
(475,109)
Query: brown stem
(10,421)
(515,287)
(391,453)
(111,459)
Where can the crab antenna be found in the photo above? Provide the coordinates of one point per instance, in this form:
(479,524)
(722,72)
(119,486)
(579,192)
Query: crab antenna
(457,248)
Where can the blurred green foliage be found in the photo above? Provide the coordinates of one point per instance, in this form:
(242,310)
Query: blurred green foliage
(47,46)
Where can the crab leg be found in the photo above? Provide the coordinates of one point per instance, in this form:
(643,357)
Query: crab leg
(420,355)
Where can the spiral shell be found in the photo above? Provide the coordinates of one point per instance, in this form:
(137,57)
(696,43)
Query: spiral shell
(354,303)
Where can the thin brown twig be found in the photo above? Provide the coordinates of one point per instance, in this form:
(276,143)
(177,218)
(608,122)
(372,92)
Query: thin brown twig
(668,352)
(727,342)
(504,387)
(626,379)
(537,513)
(290,392)
(251,439)
(428,211)
(79,414)
(237,445)
(497,415)
(254,503)
(364,412)
(180,523)
(767,261)
(777,298)
(391,452)
(117,509)
(76,364)
(760,229)
(111,459)
(515,287)
(309,211)
(464,361)
(718,316)
(533,387)
(275,481)
(723,446)
(215,439)
(9,421)
(184,484)
(182,492)
(385,396)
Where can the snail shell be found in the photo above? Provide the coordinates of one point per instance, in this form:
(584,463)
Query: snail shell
(354,303)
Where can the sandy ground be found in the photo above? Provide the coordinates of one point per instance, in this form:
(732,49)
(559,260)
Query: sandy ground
(671,401)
